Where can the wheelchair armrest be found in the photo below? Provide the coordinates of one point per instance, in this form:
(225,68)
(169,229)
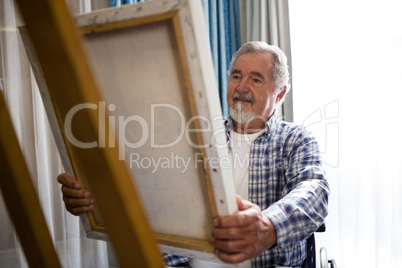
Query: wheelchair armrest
(321,229)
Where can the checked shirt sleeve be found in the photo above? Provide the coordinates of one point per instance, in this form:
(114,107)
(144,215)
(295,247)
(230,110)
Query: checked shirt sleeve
(305,196)
(174,260)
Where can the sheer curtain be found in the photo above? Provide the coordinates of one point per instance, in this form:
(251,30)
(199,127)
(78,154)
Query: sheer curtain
(347,63)
(268,20)
(31,125)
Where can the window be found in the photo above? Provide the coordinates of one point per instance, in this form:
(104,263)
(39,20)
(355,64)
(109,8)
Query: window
(347,84)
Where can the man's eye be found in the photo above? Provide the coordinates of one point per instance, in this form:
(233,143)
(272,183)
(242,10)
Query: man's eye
(235,76)
(256,80)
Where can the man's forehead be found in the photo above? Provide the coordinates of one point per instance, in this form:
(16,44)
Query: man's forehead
(254,62)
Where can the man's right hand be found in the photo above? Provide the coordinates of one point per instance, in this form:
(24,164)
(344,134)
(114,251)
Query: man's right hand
(76,199)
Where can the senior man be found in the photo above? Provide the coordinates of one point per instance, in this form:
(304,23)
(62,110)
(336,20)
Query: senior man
(284,193)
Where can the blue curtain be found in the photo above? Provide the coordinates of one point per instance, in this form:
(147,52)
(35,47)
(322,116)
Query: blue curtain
(117,3)
(223,24)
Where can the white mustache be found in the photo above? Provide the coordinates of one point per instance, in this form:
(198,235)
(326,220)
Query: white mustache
(238,95)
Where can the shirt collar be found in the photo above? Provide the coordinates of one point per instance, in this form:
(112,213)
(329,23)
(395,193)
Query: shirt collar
(269,125)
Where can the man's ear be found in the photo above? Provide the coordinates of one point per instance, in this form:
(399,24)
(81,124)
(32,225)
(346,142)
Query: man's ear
(280,95)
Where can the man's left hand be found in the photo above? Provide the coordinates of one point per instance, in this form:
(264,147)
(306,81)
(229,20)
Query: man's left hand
(243,235)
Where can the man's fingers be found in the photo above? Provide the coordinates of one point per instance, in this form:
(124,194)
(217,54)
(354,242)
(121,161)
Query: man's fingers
(231,257)
(78,202)
(231,246)
(243,235)
(76,199)
(227,233)
(233,250)
(68,192)
(68,181)
(239,219)
(78,210)
(77,206)
(248,212)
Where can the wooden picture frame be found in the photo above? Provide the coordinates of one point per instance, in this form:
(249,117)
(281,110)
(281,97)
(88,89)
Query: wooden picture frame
(154,68)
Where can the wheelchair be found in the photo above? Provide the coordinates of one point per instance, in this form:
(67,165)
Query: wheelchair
(310,261)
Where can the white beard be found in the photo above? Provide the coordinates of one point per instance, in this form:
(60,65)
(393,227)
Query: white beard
(238,115)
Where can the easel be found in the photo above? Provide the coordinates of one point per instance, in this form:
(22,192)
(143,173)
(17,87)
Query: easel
(20,197)
(70,83)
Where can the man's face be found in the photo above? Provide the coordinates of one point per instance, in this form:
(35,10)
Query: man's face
(251,88)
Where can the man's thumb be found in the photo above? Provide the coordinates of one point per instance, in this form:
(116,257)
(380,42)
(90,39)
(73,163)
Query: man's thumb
(243,204)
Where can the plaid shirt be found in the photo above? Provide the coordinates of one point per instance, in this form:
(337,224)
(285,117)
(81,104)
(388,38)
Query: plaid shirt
(287,181)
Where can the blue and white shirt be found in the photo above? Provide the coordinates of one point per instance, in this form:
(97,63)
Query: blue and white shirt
(287,181)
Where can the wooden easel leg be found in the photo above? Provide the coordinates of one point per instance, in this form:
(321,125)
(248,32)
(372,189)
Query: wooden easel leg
(21,199)
(70,82)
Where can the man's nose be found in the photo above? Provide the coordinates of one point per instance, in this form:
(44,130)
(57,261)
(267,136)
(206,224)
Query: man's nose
(243,86)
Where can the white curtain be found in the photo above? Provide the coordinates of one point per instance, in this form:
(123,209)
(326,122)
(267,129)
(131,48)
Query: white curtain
(347,76)
(268,20)
(30,122)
